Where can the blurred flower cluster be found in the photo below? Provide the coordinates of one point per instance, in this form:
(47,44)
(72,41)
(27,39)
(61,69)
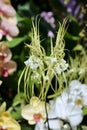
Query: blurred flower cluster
(73,8)
(48,17)
(8,20)
(8,30)
(7,66)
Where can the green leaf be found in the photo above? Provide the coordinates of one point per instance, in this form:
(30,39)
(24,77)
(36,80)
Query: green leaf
(18,99)
(15,110)
(16,41)
(85,111)
(78,48)
(69,36)
(57,5)
(16,113)
(25,126)
(24,26)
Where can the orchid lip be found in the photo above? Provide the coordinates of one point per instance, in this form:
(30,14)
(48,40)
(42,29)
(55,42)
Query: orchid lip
(37,117)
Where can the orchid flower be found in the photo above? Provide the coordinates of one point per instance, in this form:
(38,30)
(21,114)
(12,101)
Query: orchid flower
(6,8)
(7,66)
(8,20)
(63,110)
(78,93)
(35,111)
(6,121)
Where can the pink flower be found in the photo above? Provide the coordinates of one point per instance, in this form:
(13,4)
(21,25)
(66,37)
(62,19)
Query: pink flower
(6,9)
(50,34)
(48,17)
(8,21)
(9,27)
(5,53)
(7,66)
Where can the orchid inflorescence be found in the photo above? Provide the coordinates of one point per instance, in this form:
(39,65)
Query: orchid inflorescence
(40,69)
(54,95)
(62,109)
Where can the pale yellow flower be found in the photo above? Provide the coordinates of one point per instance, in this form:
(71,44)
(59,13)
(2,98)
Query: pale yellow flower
(0,82)
(6,121)
(35,111)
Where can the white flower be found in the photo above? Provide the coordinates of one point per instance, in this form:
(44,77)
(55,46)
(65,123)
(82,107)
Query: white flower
(53,60)
(72,70)
(36,76)
(78,93)
(50,60)
(68,111)
(63,65)
(74,87)
(46,78)
(57,69)
(62,109)
(40,126)
(60,67)
(33,62)
(54,122)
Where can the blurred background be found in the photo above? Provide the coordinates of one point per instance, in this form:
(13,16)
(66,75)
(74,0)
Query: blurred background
(49,13)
